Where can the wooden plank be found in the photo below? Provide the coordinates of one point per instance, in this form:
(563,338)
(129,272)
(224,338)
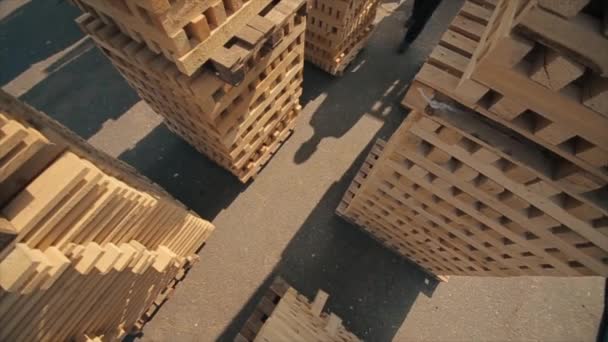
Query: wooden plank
(554,106)
(555,71)
(565,35)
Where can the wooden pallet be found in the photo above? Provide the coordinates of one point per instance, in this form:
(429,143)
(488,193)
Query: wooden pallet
(72,214)
(444,71)
(263,310)
(236,126)
(360,178)
(285,315)
(560,25)
(162,297)
(81,304)
(549,168)
(356,217)
(538,88)
(17,145)
(86,244)
(457,205)
(337,64)
(460,190)
(61,140)
(335,21)
(337,31)
(192,33)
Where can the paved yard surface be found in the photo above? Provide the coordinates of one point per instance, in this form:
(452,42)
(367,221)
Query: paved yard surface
(283,223)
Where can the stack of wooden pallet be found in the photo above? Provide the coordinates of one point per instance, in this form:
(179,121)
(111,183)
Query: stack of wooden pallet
(285,315)
(86,245)
(337,31)
(500,169)
(226,75)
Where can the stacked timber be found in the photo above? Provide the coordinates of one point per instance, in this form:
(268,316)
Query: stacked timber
(87,246)
(500,168)
(285,315)
(337,31)
(226,75)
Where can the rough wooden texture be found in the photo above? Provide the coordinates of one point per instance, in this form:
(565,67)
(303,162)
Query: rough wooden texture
(579,36)
(82,252)
(450,66)
(238,126)
(187,33)
(61,139)
(477,211)
(92,220)
(337,31)
(285,315)
(546,82)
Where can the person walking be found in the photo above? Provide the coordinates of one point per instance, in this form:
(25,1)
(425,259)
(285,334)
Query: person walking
(422,12)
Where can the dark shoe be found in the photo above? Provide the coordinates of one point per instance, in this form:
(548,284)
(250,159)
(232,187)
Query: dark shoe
(402,48)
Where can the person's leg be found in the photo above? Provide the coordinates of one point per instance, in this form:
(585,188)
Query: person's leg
(415,11)
(423,10)
(418,4)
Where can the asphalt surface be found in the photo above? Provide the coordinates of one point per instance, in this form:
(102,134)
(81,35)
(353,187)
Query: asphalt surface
(283,223)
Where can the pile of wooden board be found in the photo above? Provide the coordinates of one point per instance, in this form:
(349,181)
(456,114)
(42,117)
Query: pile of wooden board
(285,315)
(226,76)
(500,168)
(337,30)
(86,244)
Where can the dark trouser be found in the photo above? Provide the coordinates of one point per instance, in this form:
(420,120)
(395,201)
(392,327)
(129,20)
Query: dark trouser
(423,10)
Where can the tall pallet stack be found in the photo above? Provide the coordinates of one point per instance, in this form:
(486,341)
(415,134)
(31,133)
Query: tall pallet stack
(226,75)
(337,30)
(87,246)
(500,168)
(285,315)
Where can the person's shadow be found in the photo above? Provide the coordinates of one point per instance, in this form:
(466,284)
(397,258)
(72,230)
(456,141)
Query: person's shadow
(380,74)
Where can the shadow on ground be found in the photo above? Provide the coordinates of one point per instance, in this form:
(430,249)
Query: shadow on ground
(371,288)
(83,93)
(78,87)
(186,174)
(371,85)
(33,32)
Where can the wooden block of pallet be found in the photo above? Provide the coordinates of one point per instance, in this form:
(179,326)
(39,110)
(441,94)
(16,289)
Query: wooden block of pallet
(566,9)
(263,310)
(283,314)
